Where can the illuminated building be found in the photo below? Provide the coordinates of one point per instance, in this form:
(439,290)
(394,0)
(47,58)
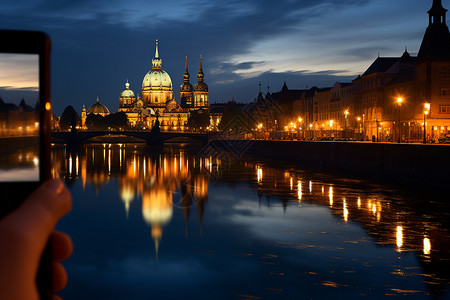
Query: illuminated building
(157,99)
(96,108)
(371,98)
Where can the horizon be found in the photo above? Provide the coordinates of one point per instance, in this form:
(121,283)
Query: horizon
(96,48)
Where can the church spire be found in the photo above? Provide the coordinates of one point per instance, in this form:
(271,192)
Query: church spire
(437,13)
(436,41)
(156,51)
(186,73)
(156,62)
(200,74)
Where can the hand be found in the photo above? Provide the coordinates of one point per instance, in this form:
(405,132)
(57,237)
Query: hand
(23,237)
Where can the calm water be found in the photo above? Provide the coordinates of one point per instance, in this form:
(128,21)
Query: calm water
(151,223)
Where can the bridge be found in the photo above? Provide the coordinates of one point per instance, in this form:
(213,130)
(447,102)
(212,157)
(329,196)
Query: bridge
(151,138)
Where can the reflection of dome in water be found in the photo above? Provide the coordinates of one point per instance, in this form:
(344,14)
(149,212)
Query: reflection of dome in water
(127,195)
(157,210)
(98,108)
(157,206)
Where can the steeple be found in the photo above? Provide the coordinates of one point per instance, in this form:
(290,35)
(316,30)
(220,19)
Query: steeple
(200,74)
(156,61)
(186,73)
(436,41)
(437,13)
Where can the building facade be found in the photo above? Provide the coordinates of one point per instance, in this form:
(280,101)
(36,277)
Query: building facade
(157,101)
(405,98)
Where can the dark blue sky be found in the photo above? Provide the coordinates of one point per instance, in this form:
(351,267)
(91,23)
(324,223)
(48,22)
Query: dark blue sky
(98,45)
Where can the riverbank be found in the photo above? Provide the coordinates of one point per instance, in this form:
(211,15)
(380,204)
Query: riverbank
(417,166)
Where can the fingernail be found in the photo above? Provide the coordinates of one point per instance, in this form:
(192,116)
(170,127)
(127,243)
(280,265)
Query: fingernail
(55,186)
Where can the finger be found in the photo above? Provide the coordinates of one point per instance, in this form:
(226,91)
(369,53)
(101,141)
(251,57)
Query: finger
(62,246)
(38,215)
(59,276)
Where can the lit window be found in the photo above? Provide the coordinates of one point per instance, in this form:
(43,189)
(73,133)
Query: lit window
(444,109)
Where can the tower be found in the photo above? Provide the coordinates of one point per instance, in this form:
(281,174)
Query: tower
(186,90)
(83,118)
(436,41)
(157,85)
(200,90)
(433,64)
(127,99)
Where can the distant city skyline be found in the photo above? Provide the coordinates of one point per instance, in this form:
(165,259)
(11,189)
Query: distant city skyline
(19,78)
(97,47)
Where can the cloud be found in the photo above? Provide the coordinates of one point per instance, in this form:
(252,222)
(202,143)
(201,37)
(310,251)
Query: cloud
(97,45)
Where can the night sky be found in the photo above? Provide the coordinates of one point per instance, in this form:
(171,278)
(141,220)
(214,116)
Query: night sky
(98,45)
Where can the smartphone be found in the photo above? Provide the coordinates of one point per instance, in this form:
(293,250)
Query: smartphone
(25,120)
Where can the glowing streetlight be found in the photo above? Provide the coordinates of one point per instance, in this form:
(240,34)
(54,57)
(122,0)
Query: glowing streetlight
(346,112)
(399,104)
(426,111)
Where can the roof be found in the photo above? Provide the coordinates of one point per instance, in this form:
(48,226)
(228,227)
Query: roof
(381,65)
(435,44)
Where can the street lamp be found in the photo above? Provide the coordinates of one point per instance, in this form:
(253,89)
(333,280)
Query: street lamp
(310,128)
(300,127)
(425,113)
(346,114)
(399,104)
(359,124)
(364,128)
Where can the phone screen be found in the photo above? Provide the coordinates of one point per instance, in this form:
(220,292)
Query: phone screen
(19,117)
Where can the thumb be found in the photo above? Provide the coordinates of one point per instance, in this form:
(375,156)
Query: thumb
(25,232)
(36,218)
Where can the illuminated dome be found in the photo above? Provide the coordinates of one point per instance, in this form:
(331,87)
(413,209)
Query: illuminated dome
(98,109)
(127,93)
(157,78)
(201,87)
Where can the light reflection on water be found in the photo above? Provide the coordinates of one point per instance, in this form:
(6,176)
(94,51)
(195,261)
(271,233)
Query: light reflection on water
(167,223)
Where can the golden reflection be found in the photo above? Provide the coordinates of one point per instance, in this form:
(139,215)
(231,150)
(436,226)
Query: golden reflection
(330,195)
(159,181)
(426,246)
(345,209)
(399,237)
(167,182)
(299,191)
(157,210)
(259,173)
(70,164)
(77,164)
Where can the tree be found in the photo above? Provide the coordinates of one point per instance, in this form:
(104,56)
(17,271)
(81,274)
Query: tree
(116,120)
(199,119)
(234,119)
(69,118)
(95,122)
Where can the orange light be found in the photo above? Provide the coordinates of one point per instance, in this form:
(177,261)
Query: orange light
(48,106)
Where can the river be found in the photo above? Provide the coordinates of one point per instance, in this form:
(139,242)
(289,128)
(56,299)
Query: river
(173,223)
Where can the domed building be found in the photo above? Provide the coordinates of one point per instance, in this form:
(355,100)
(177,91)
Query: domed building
(157,99)
(201,90)
(97,108)
(186,89)
(157,85)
